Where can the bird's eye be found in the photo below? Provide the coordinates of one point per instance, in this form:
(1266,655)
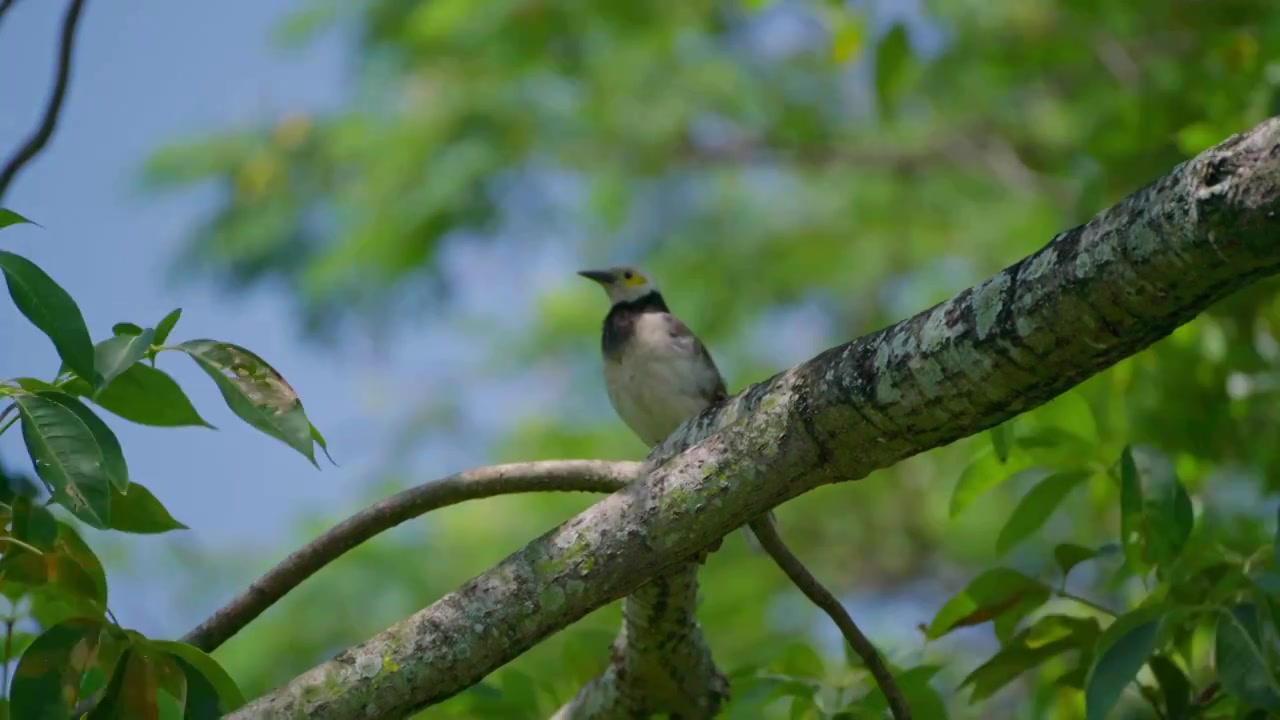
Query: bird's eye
(626,276)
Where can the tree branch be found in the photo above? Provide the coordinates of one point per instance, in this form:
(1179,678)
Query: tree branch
(552,475)
(767,533)
(1094,295)
(53,109)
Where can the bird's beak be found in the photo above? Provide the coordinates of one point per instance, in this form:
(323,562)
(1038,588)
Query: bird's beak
(604,277)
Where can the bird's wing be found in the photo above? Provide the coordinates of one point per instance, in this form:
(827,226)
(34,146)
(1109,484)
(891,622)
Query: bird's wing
(712,385)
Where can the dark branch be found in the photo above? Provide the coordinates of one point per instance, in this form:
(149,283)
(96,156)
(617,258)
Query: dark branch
(53,110)
(553,475)
(4,7)
(772,543)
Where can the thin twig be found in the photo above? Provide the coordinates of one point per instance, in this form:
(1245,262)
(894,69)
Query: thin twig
(548,476)
(53,109)
(767,534)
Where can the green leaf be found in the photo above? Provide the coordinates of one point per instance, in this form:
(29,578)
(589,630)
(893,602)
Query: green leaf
(70,545)
(67,457)
(1241,666)
(324,446)
(229,694)
(115,466)
(893,57)
(1130,510)
(163,328)
(987,597)
(1125,647)
(50,309)
(132,690)
(1175,687)
(1029,649)
(126,328)
(116,355)
(1168,512)
(799,660)
(202,701)
(46,683)
(138,511)
(148,396)
(1069,555)
(255,392)
(9,217)
(924,701)
(1036,507)
(1001,440)
(34,524)
(983,473)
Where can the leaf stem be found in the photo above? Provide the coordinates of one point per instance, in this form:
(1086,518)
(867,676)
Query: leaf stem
(11,421)
(15,541)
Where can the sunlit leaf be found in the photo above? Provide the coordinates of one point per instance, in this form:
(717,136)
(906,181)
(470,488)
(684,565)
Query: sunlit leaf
(46,683)
(9,217)
(1019,655)
(255,392)
(983,473)
(67,457)
(138,511)
(1238,657)
(148,396)
(115,355)
(1123,650)
(1036,507)
(229,694)
(50,309)
(989,595)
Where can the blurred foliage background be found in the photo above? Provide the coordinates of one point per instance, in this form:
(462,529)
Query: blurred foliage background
(794,174)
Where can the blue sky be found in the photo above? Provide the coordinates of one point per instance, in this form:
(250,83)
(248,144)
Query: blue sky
(146,73)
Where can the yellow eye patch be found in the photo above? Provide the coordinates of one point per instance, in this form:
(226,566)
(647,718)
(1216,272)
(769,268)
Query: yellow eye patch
(633,278)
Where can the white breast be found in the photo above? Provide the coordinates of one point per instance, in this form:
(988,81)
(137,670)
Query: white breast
(659,381)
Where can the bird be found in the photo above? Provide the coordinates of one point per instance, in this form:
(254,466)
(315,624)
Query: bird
(657,372)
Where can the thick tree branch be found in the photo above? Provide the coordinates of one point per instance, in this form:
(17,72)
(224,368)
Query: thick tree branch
(1091,297)
(552,475)
(660,664)
(767,533)
(34,144)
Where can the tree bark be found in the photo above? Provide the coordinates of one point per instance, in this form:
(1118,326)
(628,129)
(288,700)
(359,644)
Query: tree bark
(1092,296)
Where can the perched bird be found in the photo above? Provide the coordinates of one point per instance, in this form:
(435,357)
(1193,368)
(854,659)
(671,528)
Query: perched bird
(657,372)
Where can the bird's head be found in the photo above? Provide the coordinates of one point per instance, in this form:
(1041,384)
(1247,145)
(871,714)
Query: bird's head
(621,284)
